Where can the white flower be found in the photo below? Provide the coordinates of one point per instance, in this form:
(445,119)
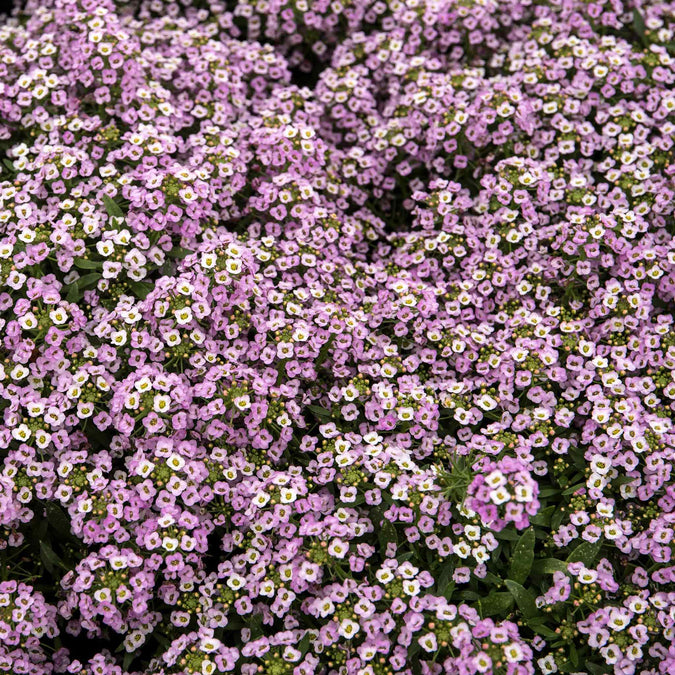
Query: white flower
(236,581)
(495,479)
(175,462)
(261,499)
(28,321)
(472,532)
(513,652)
(183,315)
(169,543)
(161,403)
(208,260)
(547,665)
(348,628)
(500,496)
(21,433)
(428,642)
(338,549)
(384,575)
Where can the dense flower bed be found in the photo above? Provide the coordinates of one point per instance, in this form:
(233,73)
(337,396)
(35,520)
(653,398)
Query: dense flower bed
(337,337)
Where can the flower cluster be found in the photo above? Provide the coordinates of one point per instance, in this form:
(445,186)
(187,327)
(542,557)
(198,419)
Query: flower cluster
(337,338)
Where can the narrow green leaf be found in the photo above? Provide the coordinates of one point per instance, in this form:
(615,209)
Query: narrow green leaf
(255,624)
(573,489)
(319,411)
(492,579)
(640,27)
(469,596)
(449,590)
(522,557)
(140,289)
(416,665)
(557,518)
(549,566)
(58,520)
(443,580)
(112,207)
(128,658)
(497,603)
(303,645)
(9,164)
(40,528)
(88,280)
(548,492)
(323,352)
(387,534)
(507,535)
(179,252)
(73,294)
(77,288)
(49,558)
(524,598)
(540,629)
(86,264)
(586,552)
(543,518)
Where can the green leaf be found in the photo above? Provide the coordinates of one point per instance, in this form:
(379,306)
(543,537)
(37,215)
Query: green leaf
(387,534)
(323,352)
(540,629)
(255,624)
(444,580)
(319,411)
(543,518)
(303,645)
(73,294)
(574,655)
(522,557)
(586,552)
(597,669)
(416,665)
(49,558)
(88,280)
(548,492)
(112,207)
(495,603)
(128,658)
(524,598)
(9,164)
(469,596)
(507,535)
(449,590)
(573,489)
(557,518)
(492,579)
(640,27)
(58,520)
(549,566)
(179,252)
(623,480)
(76,289)
(86,264)
(140,289)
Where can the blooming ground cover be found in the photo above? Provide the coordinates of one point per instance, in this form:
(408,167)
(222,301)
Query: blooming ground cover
(337,337)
